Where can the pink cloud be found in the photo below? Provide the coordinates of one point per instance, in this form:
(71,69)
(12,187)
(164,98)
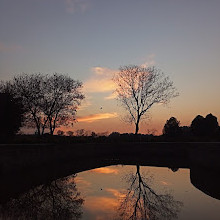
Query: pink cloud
(9,48)
(150,61)
(73,6)
(103,71)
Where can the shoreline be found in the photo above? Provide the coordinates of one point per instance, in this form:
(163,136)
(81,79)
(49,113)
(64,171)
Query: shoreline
(25,166)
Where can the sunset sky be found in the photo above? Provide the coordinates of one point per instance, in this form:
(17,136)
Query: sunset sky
(90,39)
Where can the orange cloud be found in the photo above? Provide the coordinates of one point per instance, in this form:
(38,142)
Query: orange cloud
(85,103)
(99,85)
(102,204)
(82,181)
(101,80)
(105,170)
(111,96)
(95,117)
(165,183)
(115,193)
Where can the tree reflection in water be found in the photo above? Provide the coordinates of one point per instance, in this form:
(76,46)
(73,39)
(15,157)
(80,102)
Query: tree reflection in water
(56,200)
(141,202)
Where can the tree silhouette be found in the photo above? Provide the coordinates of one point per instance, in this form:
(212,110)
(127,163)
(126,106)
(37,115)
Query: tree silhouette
(60,102)
(11,114)
(60,132)
(186,131)
(204,126)
(211,124)
(29,88)
(49,100)
(70,133)
(141,202)
(172,128)
(198,125)
(139,88)
(55,200)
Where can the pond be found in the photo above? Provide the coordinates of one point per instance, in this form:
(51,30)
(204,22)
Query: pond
(122,192)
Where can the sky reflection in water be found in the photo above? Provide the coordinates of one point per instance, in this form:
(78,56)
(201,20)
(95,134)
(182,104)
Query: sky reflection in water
(116,192)
(104,189)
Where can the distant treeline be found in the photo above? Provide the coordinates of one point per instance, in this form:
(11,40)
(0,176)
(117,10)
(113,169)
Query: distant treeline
(201,129)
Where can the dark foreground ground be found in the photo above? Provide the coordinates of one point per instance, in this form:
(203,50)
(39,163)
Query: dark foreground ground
(23,166)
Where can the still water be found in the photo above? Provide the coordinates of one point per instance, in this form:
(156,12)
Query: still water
(116,192)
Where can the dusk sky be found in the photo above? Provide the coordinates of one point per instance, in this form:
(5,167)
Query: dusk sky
(90,39)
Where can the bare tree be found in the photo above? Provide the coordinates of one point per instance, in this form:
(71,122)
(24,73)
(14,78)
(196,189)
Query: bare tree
(61,99)
(139,88)
(50,101)
(142,202)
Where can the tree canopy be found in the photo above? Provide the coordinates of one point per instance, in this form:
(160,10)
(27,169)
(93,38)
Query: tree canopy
(204,126)
(49,100)
(172,128)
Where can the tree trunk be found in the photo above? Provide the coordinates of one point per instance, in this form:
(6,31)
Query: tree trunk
(51,127)
(37,125)
(138,169)
(136,129)
(137,125)
(38,130)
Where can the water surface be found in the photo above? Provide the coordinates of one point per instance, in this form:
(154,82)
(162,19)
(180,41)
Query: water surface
(116,192)
(105,188)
